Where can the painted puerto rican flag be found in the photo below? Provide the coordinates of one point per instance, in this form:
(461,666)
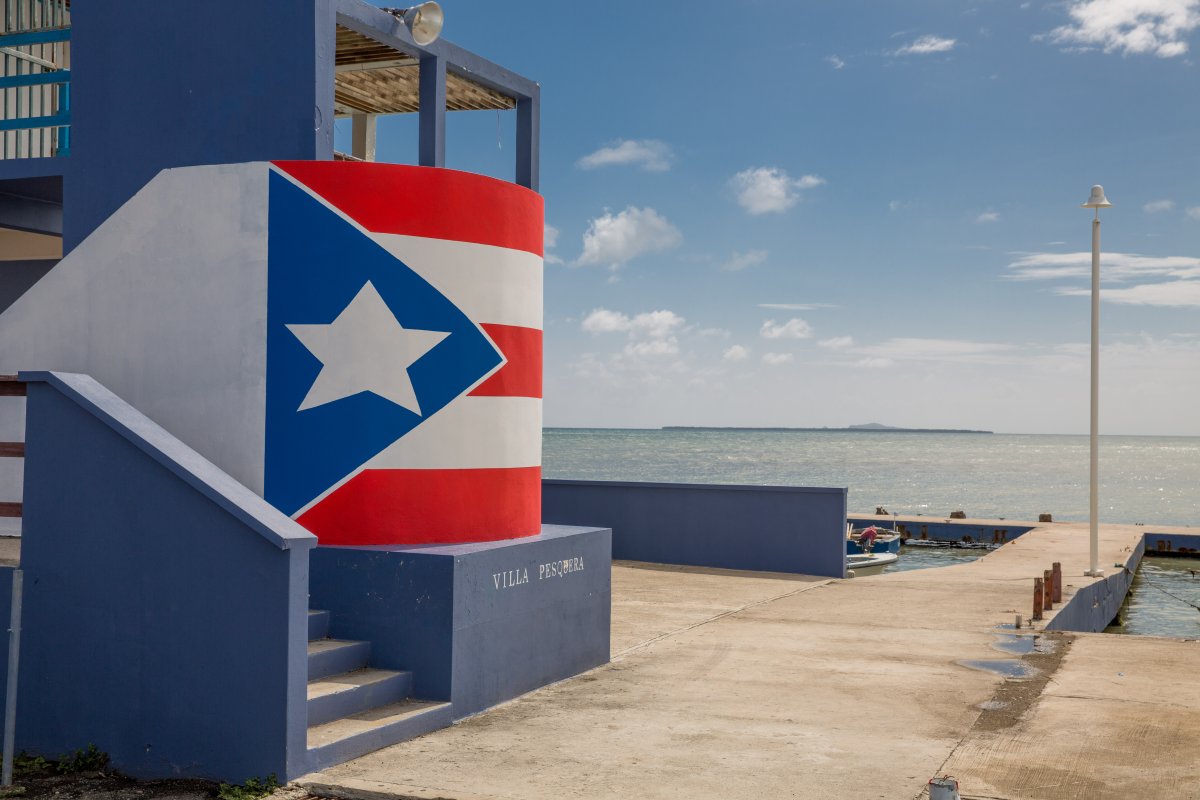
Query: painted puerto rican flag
(404,353)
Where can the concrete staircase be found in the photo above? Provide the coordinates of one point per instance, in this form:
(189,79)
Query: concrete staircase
(354,709)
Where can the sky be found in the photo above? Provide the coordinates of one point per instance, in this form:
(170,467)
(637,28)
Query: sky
(773,213)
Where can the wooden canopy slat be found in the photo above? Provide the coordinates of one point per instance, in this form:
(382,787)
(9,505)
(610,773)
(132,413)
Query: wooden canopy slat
(395,89)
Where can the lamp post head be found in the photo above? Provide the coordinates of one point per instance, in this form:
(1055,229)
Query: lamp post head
(1097,200)
(424,21)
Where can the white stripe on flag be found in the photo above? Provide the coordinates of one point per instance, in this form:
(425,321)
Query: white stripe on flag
(490,284)
(471,433)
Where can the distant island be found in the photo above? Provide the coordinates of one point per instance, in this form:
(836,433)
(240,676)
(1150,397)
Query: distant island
(869,427)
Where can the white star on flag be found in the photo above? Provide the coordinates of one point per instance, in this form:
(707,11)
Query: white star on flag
(365,349)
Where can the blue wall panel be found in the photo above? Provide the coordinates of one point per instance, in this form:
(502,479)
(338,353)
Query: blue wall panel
(529,612)
(158,85)
(477,624)
(773,528)
(157,624)
(1182,544)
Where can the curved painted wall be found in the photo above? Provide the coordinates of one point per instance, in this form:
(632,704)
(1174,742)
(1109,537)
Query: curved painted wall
(359,343)
(404,353)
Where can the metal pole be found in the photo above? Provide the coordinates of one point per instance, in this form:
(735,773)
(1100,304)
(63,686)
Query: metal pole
(1093,501)
(14,658)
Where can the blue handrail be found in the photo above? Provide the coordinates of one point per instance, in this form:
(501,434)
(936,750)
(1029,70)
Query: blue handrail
(61,119)
(35,79)
(26,38)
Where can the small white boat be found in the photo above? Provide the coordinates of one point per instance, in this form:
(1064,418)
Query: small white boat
(884,540)
(868,563)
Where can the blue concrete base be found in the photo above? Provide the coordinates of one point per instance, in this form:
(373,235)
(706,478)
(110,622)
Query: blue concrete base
(475,624)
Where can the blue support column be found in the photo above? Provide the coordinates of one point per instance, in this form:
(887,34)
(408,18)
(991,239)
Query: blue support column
(432,140)
(529,123)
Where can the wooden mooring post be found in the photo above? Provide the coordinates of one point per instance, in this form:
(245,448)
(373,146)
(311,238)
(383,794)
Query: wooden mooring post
(1048,588)
(1057,572)
(1039,593)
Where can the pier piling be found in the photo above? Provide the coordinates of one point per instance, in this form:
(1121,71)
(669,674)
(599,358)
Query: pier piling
(1047,589)
(1038,594)
(1056,593)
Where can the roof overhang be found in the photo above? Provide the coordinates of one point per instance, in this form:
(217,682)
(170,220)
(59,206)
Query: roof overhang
(377,68)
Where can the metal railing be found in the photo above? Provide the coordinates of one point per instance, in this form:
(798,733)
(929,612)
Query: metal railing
(35,78)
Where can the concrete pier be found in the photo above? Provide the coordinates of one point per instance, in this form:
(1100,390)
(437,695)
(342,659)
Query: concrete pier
(757,685)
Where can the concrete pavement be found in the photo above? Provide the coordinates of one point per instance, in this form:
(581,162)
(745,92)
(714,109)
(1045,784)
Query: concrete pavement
(752,685)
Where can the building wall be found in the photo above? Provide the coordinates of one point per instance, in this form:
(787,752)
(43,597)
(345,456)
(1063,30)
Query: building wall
(216,82)
(165,305)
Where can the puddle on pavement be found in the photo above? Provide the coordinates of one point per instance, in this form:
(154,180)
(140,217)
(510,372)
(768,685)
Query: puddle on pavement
(1015,644)
(1005,667)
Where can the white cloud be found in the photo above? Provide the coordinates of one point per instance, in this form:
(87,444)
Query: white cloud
(1113,266)
(653,347)
(736,353)
(1129,27)
(649,324)
(649,154)
(766,190)
(739,261)
(550,240)
(1178,283)
(1194,212)
(988,216)
(613,239)
(896,205)
(927,44)
(837,342)
(1156,206)
(651,342)
(794,328)
(835,62)
(602,320)
(1178,294)
(775,359)
(946,350)
(795,306)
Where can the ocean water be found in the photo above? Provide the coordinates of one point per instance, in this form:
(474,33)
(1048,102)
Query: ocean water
(1163,600)
(1147,479)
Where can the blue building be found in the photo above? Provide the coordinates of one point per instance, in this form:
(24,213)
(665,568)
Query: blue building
(227,343)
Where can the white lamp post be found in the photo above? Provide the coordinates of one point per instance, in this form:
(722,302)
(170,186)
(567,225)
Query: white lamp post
(1096,201)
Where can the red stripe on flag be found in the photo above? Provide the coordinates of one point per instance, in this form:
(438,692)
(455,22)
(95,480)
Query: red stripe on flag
(423,201)
(522,375)
(418,506)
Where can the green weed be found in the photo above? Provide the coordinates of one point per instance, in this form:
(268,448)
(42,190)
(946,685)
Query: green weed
(252,789)
(91,760)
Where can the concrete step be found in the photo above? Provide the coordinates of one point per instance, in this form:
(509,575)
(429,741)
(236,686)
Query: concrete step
(318,624)
(358,734)
(333,656)
(353,692)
